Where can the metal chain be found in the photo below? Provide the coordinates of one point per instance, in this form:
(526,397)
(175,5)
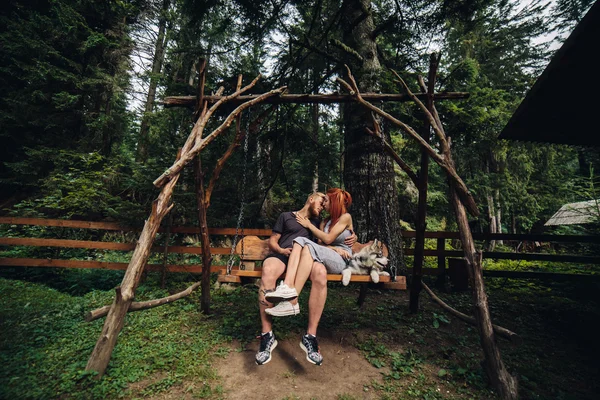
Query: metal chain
(241,215)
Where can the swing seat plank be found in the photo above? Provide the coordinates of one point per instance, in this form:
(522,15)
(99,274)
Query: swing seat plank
(252,249)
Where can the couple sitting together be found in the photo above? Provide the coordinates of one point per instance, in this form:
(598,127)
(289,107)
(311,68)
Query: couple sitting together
(294,251)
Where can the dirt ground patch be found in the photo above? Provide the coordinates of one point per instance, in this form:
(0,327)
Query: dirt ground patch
(290,375)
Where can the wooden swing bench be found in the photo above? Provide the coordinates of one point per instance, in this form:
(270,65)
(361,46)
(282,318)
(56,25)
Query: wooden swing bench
(252,249)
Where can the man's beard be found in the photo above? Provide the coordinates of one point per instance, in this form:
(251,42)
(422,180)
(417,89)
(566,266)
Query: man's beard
(313,212)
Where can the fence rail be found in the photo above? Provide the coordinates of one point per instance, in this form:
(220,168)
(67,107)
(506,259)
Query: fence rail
(440,252)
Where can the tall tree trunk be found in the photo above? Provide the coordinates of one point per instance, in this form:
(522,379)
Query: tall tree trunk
(368,171)
(491,220)
(315,134)
(498,214)
(157,61)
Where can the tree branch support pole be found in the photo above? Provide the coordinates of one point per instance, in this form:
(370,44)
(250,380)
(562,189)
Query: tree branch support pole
(125,293)
(505,384)
(500,379)
(421,225)
(115,319)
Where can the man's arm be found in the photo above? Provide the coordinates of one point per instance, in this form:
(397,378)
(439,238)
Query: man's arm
(274,245)
(350,240)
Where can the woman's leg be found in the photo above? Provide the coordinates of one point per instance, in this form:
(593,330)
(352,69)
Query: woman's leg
(305,267)
(292,266)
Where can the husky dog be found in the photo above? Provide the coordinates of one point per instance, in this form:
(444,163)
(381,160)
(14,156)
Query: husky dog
(368,261)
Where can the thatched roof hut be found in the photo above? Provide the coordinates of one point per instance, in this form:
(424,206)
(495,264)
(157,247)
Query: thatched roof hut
(583,212)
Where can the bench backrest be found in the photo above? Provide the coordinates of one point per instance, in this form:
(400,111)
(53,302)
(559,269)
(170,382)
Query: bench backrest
(252,249)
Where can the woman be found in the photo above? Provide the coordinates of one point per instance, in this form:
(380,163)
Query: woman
(333,231)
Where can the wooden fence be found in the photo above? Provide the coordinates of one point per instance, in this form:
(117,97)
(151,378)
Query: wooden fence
(440,251)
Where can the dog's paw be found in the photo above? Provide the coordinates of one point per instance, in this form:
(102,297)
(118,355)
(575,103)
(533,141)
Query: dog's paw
(346,275)
(374,276)
(384,273)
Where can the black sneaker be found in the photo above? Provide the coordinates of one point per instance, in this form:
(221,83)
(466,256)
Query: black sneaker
(311,347)
(267,344)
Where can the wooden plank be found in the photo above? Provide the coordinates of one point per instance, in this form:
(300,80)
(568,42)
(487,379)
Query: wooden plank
(113,226)
(400,284)
(89,244)
(267,232)
(260,249)
(253,248)
(330,277)
(510,236)
(85,264)
(334,98)
(64,223)
(553,276)
(223,231)
(229,279)
(573,258)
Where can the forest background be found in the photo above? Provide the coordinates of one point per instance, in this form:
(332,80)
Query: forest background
(84,133)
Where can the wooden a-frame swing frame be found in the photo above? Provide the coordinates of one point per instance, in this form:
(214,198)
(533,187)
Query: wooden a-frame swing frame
(461,199)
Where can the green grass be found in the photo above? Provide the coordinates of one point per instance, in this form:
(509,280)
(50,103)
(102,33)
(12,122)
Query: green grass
(45,344)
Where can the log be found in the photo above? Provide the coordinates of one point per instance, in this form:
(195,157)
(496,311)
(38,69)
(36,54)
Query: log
(143,305)
(190,101)
(505,333)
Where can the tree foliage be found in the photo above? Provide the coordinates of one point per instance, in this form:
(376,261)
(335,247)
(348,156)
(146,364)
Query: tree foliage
(70,119)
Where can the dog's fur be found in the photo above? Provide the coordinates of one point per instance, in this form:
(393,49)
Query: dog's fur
(368,261)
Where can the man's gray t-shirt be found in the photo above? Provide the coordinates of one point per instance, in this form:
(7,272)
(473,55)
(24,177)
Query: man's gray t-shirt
(290,229)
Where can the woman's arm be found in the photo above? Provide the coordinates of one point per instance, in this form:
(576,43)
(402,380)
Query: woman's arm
(344,222)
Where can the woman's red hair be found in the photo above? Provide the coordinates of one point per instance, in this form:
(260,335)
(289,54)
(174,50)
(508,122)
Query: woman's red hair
(339,202)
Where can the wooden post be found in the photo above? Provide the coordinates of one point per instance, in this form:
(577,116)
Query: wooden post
(163,272)
(441,277)
(202,206)
(204,238)
(421,225)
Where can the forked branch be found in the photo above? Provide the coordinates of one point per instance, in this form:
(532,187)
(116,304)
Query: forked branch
(203,142)
(505,333)
(442,160)
(388,148)
(436,128)
(143,305)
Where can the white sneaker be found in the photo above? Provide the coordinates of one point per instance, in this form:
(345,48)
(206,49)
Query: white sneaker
(282,293)
(284,309)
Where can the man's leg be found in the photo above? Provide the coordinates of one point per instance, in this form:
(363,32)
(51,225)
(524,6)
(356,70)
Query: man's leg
(272,269)
(318,296)
(316,304)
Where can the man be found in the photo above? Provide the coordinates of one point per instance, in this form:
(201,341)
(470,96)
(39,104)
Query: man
(285,230)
